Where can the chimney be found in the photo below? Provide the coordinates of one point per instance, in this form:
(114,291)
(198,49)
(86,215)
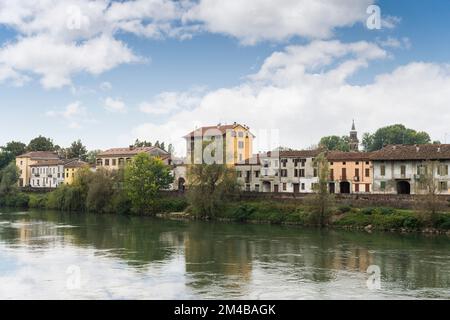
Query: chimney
(131,147)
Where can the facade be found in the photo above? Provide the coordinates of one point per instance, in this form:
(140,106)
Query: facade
(114,159)
(297,171)
(25,161)
(249,174)
(71,169)
(47,174)
(398,168)
(235,143)
(350,172)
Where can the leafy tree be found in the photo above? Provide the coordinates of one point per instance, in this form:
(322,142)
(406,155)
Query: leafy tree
(145,176)
(140,144)
(77,150)
(15,148)
(335,143)
(91,156)
(171,149)
(395,134)
(41,144)
(321,202)
(101,191)
(163,146)
(8,179)
(211,186)
(5,159)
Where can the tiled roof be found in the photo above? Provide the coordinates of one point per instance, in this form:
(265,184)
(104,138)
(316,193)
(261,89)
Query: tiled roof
(51,162)
(222,128)
(131,151)
(37,155)
(300,153)
(413,152)
(348,156)
(76,164)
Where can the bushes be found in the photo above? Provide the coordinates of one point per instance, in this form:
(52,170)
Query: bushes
(14,200)
(344,208)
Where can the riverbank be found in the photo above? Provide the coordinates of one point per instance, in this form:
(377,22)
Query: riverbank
(273,211)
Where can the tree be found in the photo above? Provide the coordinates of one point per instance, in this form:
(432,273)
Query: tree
(140,144)
(211,186)
(15,148)
(145,176)
(41,144)
(91,156)
(8,179)
(77,150)
(429,186)
(335,143)
(171,149)
(395,134)
(5,159)
(321,202)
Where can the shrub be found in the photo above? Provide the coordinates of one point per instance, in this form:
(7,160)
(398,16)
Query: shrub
(443,222)
(411,223)
(386,211)
(344,208)
(37,201)
(367,211)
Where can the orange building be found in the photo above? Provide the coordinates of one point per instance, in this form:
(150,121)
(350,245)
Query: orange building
(350,172)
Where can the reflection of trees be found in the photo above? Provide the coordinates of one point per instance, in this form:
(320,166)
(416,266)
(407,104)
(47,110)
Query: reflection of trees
(215,252)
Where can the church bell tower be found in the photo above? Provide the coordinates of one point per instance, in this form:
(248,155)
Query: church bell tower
(354,141)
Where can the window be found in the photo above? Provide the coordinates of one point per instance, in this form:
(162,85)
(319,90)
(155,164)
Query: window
(383,185)
(303,162)
(315,172)
(382,170)
(257,187)
(367,163)
(357,173)
(114,162)
(331,163)
(296,173)
(357,187)
(303,186)
(367,187)
(344,163)
(443,170)
(302,173)
(257,174)
(403,170)
(247,187)
(21,163)
(241,144)
(367,173)
(284,162)
(106,162)
(284,173)
(284,186)
(443,186)
(67,175)
(357,163)
(241,134)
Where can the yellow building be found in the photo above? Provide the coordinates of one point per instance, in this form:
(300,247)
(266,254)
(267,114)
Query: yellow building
(350,172)
(25,161)
(71,169)
(114,159)
(235,139)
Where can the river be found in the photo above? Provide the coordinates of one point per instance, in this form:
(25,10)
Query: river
(52,255)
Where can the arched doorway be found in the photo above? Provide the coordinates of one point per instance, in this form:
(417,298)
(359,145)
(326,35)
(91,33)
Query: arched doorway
(344,187)
(403,187)
(181,184)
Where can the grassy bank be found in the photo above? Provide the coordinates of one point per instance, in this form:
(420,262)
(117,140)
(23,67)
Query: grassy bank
(257,211)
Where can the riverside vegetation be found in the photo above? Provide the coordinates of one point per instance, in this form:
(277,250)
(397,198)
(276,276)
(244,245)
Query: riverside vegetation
(214,194)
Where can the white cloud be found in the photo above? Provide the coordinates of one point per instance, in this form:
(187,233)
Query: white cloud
(256,20)
(105,86)
(305,92)
(115,105)
(167,102)
(56,62)
(74,113)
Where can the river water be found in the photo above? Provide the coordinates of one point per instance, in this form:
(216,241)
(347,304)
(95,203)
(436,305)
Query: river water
(51,255)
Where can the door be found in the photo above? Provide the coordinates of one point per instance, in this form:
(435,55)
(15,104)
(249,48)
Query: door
(275,188)
(296,188)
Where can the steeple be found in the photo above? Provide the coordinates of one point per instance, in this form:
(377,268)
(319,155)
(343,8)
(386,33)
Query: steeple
(353,141)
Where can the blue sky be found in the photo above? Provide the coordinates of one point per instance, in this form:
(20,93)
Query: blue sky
(200,76)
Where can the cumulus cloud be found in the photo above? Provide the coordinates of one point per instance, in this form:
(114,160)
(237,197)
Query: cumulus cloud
(167,102)
(306,92)
(257,20)
(115,105)
(74,113)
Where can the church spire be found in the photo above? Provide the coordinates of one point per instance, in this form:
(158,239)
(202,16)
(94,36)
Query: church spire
(353,125)
(353,141)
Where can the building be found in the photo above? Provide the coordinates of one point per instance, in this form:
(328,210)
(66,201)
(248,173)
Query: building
(249,174)
(398,168)
(114,159)
(298,173)
(353,139)
(233,144)
(350,172)
(47,173)
(71,169)
(25,161)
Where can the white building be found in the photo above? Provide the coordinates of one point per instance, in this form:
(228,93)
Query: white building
(48,173)
(297,171)
(398,168)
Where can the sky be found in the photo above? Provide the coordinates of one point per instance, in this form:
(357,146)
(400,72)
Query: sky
(108,72)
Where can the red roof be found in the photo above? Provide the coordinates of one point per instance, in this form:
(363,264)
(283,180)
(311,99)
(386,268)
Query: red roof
(38,155)
(211,130)
(413,152)
(348,156)
(129,152)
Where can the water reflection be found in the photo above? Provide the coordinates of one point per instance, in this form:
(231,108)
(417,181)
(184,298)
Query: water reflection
(133,257)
